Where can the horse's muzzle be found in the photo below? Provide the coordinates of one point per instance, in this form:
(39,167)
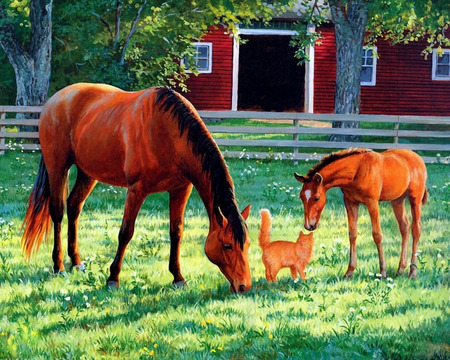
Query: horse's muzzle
(310,227)
(241,289)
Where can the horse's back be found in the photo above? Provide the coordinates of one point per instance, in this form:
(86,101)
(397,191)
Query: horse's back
(90,124)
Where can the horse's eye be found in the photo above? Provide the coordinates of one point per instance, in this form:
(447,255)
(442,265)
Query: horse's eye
(227,246)
(316,199)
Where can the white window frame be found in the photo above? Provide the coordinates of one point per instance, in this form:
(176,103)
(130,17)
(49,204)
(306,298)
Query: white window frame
(209,45)
(373,81)
(434,67)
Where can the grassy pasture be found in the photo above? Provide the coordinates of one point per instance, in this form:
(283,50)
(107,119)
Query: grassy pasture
(45,316)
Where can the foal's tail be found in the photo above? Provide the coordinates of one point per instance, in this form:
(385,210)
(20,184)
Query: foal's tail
(264,230)
(425,197)
(37,222)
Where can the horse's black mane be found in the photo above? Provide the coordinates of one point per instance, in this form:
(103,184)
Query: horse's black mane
(333,157)
(212,162)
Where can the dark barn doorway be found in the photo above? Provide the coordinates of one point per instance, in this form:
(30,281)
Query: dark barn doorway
(269,77)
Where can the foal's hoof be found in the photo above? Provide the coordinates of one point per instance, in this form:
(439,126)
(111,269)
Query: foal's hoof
(112,285)
(348,275)
(80,267)
(179,284)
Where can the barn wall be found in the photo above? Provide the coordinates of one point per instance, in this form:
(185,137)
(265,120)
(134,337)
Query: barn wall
(403,84)
(214,91)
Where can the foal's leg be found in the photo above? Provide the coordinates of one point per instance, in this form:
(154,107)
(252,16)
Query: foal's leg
(75,202)
(135,198)
(403,224)
(377,235)
(416,209)
(177,202)
(58,180)
(352,216)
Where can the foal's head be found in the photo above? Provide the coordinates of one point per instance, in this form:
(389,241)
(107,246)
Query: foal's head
(228,254)
(313,196)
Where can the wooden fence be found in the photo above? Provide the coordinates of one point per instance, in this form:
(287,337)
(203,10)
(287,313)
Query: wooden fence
(294,140)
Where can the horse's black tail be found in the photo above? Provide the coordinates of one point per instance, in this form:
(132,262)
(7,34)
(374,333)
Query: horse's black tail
(37,221)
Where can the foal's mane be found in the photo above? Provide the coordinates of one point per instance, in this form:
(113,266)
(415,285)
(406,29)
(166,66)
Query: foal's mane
(204,148)
(327,160)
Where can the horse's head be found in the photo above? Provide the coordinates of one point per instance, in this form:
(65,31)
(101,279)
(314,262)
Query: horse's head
(313,196)
(232,259)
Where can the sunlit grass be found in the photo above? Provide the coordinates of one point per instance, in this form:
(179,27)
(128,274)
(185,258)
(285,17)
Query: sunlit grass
(45,316)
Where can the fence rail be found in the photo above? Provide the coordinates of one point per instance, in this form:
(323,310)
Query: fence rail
(291,143)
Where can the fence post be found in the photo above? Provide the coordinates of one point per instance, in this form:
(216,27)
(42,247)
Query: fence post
(295,138)
(396,127)
(2,130)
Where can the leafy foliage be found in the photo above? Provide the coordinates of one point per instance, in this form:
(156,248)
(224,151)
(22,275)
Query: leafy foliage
(139,43)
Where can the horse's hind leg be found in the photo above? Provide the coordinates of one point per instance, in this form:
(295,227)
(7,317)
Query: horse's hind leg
(177,203)
(133,203)
(416,226)
(58,184)
(80,192)
(403,224)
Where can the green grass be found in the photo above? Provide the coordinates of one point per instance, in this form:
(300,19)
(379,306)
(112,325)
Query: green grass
(44,316)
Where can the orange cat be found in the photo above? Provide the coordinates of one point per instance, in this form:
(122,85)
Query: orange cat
(282,254)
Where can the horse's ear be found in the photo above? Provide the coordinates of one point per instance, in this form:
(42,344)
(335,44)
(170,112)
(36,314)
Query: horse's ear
(300,178)
(246,212)
(318,178)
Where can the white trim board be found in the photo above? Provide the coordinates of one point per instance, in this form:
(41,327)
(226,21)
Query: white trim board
(266,32)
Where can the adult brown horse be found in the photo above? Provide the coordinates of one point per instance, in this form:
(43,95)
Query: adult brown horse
(148,141)
(366,177)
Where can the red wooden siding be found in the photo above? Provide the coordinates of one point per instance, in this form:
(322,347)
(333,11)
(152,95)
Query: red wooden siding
(213,91)
(403,81)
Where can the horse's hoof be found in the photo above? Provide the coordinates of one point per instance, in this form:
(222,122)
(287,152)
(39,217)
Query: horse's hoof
(412,271)
(180,284)
(412,274)
(112,285)
(348,276)
(61,273)
(80,267)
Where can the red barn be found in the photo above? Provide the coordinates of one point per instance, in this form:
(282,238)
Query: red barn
(262,74)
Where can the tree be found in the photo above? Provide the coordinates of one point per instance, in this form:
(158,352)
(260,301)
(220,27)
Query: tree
(132,44)
(30,58)
(137,43)
(356,21)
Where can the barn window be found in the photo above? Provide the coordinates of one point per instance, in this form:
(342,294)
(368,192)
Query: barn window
(202,59)
(441,65)
(369,66)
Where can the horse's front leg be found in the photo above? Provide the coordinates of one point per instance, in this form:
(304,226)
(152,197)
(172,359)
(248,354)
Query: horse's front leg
(377,235)
(352,216)
(177,202)
(135,198)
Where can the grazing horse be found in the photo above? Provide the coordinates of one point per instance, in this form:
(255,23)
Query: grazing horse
(366,177)
(148,141)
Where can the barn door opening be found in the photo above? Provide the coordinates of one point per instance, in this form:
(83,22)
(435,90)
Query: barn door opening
(269,77)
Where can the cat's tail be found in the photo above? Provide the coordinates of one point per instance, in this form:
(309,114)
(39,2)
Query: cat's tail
(264,230)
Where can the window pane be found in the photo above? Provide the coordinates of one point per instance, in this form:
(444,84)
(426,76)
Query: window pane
(369,61)
(366,74)
(202,51)
(202,64)
(369,53)
(444,59)
(443,70)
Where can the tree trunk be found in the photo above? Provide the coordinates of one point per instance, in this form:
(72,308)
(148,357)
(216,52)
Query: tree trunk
(350,22)
(32,68)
